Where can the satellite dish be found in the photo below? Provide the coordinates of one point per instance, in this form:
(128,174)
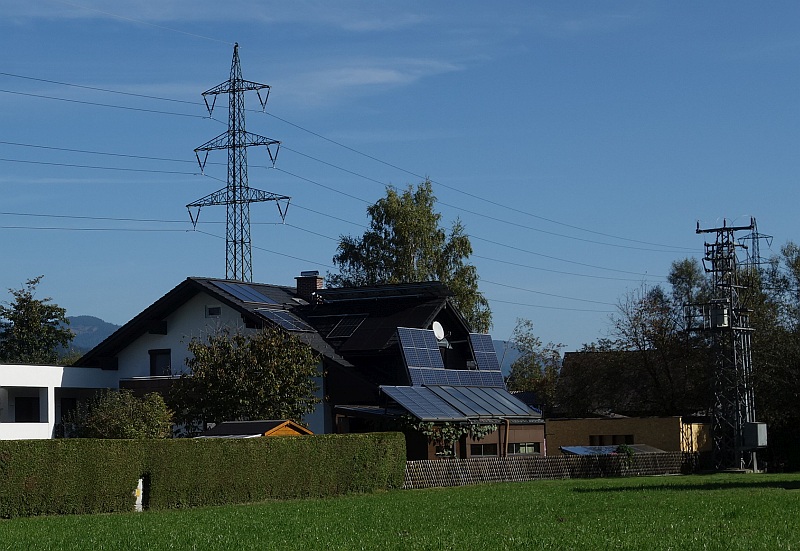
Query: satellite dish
(438,330)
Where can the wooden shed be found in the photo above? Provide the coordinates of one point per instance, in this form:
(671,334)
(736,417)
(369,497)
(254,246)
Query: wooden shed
(255,429)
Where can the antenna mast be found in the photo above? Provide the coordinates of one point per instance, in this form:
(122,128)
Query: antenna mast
(237,195)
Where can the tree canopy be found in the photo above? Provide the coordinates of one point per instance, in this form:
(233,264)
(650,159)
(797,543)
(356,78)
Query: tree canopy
(652,364)
(32,331)
(268,374)
(405,243)
(120,414)
(538,366)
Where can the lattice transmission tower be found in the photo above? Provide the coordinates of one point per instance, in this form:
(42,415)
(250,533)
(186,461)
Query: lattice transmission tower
(726,318)
(237,195)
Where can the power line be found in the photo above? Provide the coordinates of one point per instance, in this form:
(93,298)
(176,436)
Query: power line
(313,262)
(515,303)
(69,228)
(97,104)
(92,167)
(529,267)
(496,243)
(142,157)
(452,188)
(557,258)
(97,89)
(547,294)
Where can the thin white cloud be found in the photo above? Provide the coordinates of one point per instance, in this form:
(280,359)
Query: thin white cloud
(315,87)
(360,16)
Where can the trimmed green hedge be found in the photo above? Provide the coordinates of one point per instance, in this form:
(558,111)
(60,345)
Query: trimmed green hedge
(95,476)
(41,477)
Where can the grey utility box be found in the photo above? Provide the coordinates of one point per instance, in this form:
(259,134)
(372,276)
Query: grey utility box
(754,435)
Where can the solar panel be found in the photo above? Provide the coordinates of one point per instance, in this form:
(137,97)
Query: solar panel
(483,349)
(423,403)
(346,327)
(425,365)
(420,348)
(438,403)
(483,401)
(285,319)
(244,292)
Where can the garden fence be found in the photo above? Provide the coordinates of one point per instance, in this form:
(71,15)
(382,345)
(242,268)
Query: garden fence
(461,472)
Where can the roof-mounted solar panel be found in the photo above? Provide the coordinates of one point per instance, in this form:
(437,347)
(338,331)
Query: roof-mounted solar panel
(420,348)
(244,292)
(425,365)
(423,403)
(483,350)
(285,319)
(346,327)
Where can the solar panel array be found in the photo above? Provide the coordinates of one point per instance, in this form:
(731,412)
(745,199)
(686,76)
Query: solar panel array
(425,365)
(458,403)
(244,292)
(423,403)
(285,319)
(455,377)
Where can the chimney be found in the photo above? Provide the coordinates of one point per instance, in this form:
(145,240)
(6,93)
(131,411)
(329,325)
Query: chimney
(307,285)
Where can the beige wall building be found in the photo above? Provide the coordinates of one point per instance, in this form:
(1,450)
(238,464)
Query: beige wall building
(665,433)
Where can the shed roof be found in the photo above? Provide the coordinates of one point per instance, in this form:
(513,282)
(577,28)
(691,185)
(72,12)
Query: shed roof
(247,429)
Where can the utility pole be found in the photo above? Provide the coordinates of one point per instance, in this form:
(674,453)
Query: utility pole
(735,431)
(237,195)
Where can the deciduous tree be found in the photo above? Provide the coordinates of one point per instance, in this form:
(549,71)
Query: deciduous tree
(239,377)
(405,243)
(32,331)
(537,368)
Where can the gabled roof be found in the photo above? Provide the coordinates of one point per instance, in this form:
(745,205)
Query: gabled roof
(373,314)
(255,301)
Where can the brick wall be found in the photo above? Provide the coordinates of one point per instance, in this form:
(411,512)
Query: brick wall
(664,433)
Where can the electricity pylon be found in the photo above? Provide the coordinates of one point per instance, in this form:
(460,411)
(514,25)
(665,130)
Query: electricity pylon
(728,320)
(237,195)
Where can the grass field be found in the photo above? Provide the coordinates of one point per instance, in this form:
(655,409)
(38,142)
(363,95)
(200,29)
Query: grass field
(734,511)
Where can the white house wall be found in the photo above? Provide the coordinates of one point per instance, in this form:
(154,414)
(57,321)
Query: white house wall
(188,321)
(42,381)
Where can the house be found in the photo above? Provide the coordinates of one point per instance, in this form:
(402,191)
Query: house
(685,434)
(34,398)
(391,355)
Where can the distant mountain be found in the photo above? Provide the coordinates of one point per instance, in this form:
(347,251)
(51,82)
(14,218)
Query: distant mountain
(89,331)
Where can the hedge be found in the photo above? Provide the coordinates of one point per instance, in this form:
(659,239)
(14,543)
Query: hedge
(81,476)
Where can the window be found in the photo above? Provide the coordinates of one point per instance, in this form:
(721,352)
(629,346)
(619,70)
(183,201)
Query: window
(482,449)
(525,447)
(160,362)
(213,311)
(26,409)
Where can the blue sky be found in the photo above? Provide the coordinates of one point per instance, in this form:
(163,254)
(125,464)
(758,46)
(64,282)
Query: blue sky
(578,142)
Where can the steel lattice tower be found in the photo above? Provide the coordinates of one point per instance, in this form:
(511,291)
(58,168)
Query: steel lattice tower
(728,321)
(237,195)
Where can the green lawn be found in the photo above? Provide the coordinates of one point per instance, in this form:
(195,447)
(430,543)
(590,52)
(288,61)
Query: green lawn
(736,511)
